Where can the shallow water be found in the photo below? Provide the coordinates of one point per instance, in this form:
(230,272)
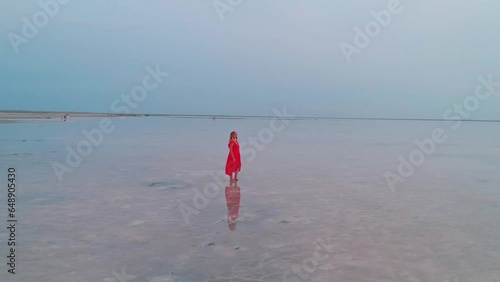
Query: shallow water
(314,204)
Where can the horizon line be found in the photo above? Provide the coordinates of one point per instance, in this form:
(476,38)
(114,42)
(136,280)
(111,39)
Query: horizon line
(226,116)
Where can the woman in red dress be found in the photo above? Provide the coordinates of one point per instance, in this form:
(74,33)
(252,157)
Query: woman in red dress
(233,164)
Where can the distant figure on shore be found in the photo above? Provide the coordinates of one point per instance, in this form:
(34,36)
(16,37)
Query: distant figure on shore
(233,164)
(65,117)
(233,196)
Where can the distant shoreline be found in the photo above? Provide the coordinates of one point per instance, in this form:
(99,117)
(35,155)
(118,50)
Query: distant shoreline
(27,116)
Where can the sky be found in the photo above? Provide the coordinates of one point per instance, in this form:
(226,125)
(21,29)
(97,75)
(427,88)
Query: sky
(250,57)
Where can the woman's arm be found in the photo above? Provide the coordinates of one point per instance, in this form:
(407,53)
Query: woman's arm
(231,151)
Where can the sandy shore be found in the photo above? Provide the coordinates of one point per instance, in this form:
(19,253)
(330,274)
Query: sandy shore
(25,116)
(34,116)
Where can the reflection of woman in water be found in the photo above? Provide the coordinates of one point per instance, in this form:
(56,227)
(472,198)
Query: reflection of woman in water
(233,196)
(233,164)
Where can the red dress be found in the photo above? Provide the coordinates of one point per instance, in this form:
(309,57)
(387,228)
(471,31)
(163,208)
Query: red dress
(233,166)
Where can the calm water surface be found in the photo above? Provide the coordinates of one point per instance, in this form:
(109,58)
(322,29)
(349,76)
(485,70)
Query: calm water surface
(150,202)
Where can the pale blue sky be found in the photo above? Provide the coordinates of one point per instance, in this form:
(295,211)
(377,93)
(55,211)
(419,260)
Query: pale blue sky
(264,55)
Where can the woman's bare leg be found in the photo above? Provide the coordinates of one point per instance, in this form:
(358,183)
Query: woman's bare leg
(236,175)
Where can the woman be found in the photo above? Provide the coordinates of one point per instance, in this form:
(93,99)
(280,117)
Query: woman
(233,164)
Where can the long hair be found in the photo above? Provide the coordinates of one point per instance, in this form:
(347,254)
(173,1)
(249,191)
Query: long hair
(231,136)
